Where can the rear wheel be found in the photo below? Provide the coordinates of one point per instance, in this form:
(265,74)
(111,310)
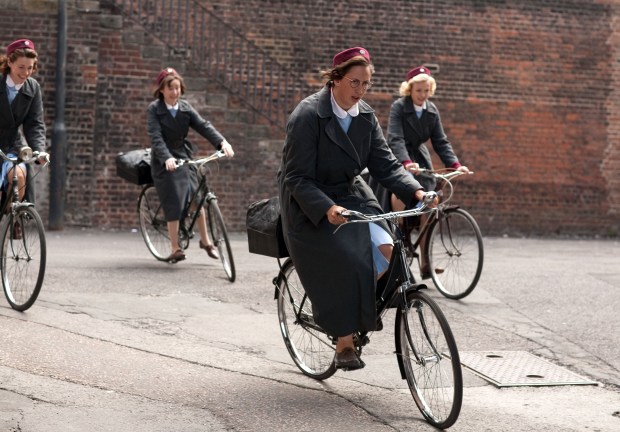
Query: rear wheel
(219,237)
(310,348)
(455,253)
(153,225)
(429,359)
(22,257)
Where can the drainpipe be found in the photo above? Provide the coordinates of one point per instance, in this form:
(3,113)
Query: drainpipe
(59,132)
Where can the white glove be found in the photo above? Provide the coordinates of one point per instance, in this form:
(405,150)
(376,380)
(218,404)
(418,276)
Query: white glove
(227,149)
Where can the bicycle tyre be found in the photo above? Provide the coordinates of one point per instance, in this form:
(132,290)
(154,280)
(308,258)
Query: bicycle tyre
(153,225)
(219,237)
(429,359)
(455,253)
(310,348)
(23,260)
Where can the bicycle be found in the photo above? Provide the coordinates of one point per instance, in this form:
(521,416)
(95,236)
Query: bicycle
(453,243)
(153,225)
(22,234)
(426,351)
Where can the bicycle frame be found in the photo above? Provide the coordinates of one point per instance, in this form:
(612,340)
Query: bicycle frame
(391,288)
(202,195)
(12,199)
(397,279)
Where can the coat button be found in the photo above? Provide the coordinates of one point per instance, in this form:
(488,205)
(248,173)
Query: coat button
(362,205)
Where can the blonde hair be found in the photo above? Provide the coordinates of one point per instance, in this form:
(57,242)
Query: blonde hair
(405,86)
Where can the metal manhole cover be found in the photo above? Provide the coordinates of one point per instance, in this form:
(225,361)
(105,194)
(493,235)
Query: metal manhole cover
(519,368)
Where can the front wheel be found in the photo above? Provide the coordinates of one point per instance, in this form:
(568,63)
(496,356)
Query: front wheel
(429,359)
(153,225)
(310,348)
(22,257)
(455,253)
(219,237)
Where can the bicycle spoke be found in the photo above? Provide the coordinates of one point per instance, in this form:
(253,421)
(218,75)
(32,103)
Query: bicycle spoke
(429,356)
(309,346)
(23,258)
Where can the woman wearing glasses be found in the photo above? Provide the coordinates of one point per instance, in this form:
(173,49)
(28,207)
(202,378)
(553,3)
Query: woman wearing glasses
(331,137)
(413,121)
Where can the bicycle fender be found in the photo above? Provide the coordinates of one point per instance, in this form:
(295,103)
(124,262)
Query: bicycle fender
(24,204)
(451,207)
(276,282)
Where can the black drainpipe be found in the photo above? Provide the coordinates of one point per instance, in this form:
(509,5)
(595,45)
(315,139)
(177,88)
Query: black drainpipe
(59,132)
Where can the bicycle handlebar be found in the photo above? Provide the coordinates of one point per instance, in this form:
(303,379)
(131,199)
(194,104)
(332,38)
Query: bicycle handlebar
(444,176)
(421,208)
(218,154)
(26,155)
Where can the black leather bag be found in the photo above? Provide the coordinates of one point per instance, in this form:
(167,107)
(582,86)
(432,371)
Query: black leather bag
(264,228)
(135,166)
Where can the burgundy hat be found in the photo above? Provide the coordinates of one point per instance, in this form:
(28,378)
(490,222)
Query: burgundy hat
(164,73)
(418,71)
(19,44)
(347,54)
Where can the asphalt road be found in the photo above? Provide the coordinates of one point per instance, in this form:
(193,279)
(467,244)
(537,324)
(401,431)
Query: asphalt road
(120,342)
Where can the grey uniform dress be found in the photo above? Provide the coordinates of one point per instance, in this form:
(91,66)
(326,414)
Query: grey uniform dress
(407,135)
(320,167)
(26,111)
(169,139)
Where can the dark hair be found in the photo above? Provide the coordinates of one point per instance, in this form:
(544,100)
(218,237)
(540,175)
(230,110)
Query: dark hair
(165,82)
(5,69)
(338,72)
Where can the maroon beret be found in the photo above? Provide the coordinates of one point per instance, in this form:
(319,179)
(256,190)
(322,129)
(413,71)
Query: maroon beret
(164,73)
(347,54)
(19,44)
(418,71)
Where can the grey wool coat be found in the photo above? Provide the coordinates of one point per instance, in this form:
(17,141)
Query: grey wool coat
(407,136)
(169,139)
(25,111)
(320,167)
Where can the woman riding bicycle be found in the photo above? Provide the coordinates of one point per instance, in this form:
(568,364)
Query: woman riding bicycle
(414,119)
(168,120)
(21,105)
(331,137)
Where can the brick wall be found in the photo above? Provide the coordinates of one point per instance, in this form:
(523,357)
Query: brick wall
(527,91)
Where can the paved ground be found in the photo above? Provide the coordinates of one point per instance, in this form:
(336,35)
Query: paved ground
(120,342)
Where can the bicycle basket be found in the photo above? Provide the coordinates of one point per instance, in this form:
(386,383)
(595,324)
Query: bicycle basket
(135,166)
(264,228)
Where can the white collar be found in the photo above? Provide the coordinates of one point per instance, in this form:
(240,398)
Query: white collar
(341,113)
(419,108)
(10,83)
(175,106)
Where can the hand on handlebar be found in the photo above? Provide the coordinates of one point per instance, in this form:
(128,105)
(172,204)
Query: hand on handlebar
(227,149)
(171,164)
(429,199)
(413,168)
(334,215)
(42,157)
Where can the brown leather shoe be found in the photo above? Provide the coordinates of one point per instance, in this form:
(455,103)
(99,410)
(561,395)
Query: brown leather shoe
(211,250)
(176,256)
(425,272)
(348,360)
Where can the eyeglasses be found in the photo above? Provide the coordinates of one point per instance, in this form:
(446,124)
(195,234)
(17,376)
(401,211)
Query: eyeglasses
(355,83)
